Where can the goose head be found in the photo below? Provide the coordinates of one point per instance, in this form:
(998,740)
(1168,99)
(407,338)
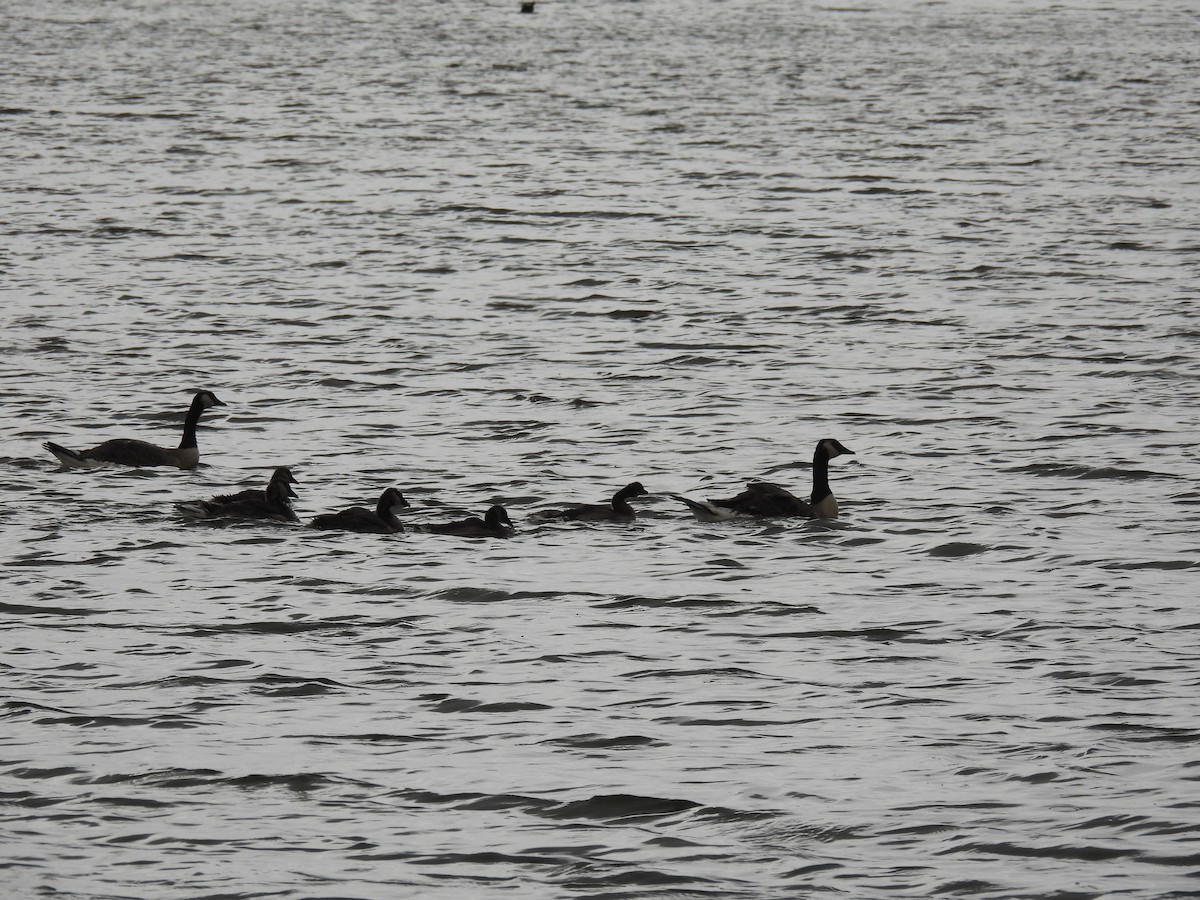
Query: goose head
(279,493)
(497,517)
(283,475)
(392,501)
(633,490)
(830,448)
(206,400)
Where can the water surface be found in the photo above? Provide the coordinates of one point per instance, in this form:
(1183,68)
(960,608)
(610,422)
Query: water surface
(488,257)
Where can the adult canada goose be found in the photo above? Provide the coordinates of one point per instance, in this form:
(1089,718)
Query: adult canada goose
(761,499)
(283,475)
(618,510)
(381,520)
(129,452)
(274,505)
(495,523)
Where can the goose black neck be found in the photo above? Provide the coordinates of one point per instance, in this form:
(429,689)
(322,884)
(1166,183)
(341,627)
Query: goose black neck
(278,496)
(383,509)
(620,500)
(821,488)
(190,423)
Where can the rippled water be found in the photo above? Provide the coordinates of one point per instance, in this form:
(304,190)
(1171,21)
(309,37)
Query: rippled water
(489,257)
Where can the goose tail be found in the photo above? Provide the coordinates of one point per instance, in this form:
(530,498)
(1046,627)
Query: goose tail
(705,510)
(70,458)
(192,508)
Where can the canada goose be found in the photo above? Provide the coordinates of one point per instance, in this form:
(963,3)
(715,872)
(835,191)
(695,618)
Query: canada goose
(381,520)
(129,452)
(619,510)
(495,523)
(283,475)
(273,505)
(761,499)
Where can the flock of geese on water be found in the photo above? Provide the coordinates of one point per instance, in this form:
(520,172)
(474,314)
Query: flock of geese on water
(760,499)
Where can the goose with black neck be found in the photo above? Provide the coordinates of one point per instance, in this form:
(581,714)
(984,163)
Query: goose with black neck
(762,499)
(132,452)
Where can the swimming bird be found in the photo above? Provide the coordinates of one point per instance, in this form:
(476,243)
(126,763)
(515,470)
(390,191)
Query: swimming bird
(381,520)
(618,510)
(282,475)
(761,499)
(272,502)
(129,452)
(495,523)
(273,505)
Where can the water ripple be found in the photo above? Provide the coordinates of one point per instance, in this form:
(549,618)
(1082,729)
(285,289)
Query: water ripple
(488,257)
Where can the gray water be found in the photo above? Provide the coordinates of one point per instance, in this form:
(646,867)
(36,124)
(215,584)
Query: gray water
(491,257)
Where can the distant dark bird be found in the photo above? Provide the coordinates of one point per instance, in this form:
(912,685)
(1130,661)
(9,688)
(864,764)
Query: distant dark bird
(495,523)
(273,505)
(129,452)
(382,520)
(527,6)
(618,510)
(761,499)
(282,475)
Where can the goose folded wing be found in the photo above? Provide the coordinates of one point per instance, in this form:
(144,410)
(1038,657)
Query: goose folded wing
(761,498)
